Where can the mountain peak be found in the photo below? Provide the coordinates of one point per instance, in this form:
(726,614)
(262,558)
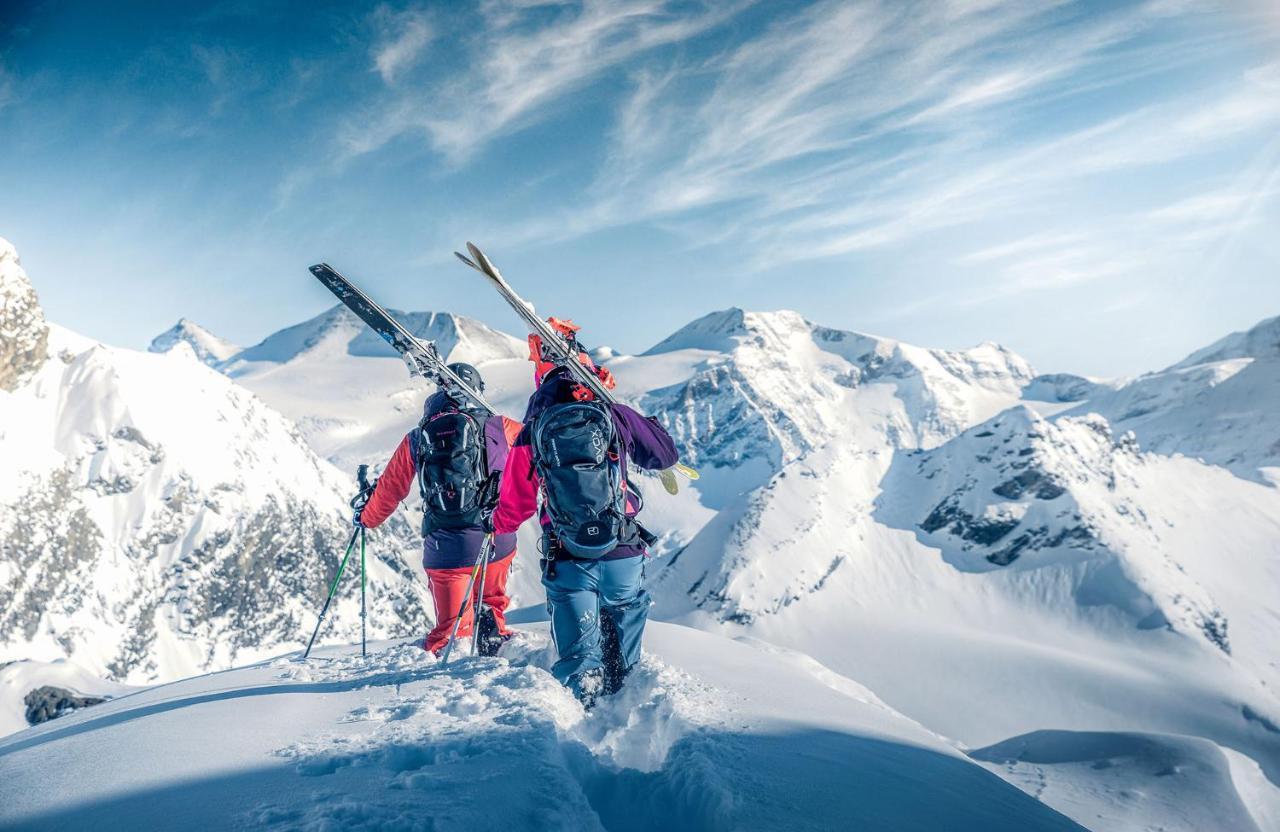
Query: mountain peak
(458,338)
(207,347)
(721,331)
(1262,340)
(24,333)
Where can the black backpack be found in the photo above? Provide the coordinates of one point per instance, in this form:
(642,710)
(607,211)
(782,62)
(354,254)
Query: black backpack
(576,454)
(453,471)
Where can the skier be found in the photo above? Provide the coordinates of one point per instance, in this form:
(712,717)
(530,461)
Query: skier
(457,455)
(575,451)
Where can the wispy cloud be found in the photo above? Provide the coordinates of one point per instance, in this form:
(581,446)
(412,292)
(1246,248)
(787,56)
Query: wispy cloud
(838,128)
(526,55)
(847,126)
(402,39)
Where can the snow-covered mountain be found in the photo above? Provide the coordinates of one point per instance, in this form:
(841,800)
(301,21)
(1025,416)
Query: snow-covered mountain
(347,390)
(774,386)
(902,514)
(338,330)
(1059,571)
(1220,404)
(159,520)
(209,348)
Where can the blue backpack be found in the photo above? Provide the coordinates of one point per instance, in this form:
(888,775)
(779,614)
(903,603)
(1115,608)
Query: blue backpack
(577,456)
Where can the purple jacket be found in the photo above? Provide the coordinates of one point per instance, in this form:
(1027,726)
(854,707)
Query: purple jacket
(644,442)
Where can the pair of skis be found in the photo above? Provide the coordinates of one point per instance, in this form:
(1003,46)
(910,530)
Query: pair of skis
(566,354)
(423,359)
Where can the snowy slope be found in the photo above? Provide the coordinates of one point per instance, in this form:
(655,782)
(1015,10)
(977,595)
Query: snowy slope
(18,679)
(708,735)
(773,386)
(159,520)
(1220,404)
(209,348)
(1114,782)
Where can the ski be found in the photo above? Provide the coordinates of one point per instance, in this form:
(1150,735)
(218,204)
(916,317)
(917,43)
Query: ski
(563,351)
(421,357)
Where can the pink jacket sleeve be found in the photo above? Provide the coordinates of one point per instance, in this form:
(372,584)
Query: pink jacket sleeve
(518,497)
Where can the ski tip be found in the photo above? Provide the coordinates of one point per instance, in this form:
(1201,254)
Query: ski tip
(319,267)
(486,265)
(669,482)
(691,473)
(465,259)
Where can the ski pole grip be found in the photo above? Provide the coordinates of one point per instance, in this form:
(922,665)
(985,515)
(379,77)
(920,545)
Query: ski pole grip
(362,476)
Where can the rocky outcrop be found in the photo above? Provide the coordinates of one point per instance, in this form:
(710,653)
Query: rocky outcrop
(48,702)
(24,334)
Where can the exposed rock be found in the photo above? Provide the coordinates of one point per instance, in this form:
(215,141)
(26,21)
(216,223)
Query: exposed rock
(24,334)
(46,703)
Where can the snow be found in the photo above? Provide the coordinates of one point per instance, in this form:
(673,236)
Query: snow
(1079,577)
(208,348)
(707,735)
(160,520)
(1118,781)
(350,393)
(18,678)
(1221,404)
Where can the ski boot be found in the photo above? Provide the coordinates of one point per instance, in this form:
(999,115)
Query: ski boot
(587,686)
(488,640)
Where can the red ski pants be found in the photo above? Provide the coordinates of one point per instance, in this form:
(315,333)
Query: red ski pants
(449,588)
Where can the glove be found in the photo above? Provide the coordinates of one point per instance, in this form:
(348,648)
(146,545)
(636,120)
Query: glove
(358,503)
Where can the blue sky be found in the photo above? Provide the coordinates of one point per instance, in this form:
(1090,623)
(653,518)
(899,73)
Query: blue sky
(1094,185)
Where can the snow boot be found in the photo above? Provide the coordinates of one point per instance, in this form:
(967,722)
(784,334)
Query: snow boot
(587,686)
(488,639)
(615,672)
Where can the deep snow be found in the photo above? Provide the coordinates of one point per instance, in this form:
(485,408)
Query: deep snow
(709,734)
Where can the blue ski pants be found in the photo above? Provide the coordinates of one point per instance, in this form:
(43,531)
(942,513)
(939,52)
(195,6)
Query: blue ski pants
(579,594)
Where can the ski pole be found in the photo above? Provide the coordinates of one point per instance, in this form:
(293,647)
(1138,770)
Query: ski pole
(362,477)
(333,589)
(466,600)
(485,551)
(362,582)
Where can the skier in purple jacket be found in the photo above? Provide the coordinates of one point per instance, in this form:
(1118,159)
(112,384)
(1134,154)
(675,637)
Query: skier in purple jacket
(598,606)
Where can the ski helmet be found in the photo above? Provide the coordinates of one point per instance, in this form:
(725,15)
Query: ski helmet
(468,374)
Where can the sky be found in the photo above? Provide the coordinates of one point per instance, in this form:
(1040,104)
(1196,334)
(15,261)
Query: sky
(1095,185)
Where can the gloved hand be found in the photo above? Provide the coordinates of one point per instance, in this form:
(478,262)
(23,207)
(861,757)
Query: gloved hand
(358,503)
(486,522)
